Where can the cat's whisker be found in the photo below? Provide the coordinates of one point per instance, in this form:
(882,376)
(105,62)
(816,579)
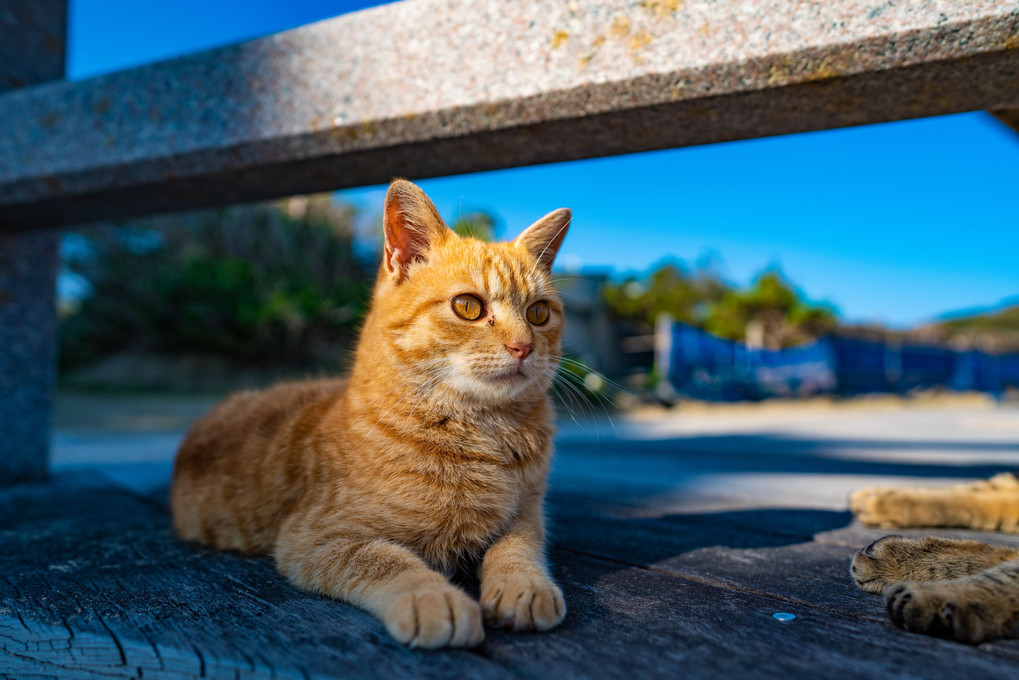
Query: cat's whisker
(584,394)
(581,384)
(551,375)
(574,404)
(562,279)
(568,296)
(603,400)
(575,393)
(581,365)
(562,397)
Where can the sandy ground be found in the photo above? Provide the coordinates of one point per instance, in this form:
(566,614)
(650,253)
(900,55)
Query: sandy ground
(115,412)
(775,454)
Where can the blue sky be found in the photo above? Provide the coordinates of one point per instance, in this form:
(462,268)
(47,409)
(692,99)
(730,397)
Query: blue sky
(897,223)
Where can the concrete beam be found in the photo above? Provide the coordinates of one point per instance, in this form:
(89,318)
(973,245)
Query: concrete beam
(436,87)
(1009,117)
(31,51)
(32,44)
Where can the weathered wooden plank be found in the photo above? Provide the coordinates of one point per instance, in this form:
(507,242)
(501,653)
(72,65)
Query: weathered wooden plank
(627,622)
(769,552)
(94,583)
(95,586)
(468,85)
(797,556)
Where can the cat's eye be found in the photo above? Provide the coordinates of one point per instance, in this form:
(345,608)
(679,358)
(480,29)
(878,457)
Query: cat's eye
(537,313)
(468,307)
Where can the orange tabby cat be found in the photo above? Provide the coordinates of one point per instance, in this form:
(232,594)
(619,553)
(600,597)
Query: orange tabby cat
(432,455)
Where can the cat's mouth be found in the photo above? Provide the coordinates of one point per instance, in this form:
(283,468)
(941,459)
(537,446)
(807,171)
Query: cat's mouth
(512,374)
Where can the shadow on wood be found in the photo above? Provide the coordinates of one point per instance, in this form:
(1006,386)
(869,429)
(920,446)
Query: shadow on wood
(96,585)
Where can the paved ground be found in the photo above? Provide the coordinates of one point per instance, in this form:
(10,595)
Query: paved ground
(676,538)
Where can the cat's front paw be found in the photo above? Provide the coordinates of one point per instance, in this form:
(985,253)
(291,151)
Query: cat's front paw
(522,602)
(431,616)
(944,610)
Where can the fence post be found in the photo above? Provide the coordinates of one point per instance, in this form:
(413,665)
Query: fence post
(32,40)
(664,390)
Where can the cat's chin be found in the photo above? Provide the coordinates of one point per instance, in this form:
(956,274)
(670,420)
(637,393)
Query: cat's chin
(499,389)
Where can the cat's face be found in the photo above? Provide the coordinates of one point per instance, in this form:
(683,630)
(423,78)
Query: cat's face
(481,320)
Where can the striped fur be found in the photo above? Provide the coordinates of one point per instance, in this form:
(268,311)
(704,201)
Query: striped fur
(960,589)
(431,457)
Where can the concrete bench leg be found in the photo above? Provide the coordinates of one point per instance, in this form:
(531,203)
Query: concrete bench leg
(28,265)
(32,38)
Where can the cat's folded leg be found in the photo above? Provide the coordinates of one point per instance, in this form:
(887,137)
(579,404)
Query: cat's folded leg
(516,590)
(989,505)
(418,606)
(973,609)
(893,559)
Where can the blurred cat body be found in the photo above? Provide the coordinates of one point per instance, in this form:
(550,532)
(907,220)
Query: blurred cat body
(432,456)
(956,588)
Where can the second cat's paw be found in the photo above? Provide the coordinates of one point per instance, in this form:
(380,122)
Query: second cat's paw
(944,610)
(876,567)
(522,602)
(877,506)
(431,616)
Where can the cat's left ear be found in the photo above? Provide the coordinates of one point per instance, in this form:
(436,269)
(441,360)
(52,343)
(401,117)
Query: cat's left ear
(544,237)
(412,226)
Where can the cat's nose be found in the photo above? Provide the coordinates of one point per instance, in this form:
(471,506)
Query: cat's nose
(520,349)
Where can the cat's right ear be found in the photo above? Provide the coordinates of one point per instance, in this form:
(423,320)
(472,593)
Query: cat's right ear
(412,226)
(544,237)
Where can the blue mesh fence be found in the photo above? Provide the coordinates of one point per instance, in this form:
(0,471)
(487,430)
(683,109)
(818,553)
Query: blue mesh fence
(705,366)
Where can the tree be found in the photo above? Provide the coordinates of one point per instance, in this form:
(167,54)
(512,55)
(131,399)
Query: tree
(771,303)
(477,224)
(273,282)
(992,331)
(702,298)
(670,289)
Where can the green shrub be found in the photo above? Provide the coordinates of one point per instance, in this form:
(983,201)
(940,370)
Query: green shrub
(781,314)
(276,283)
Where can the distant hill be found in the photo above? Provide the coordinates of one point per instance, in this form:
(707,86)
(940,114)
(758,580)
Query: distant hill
(991,331)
